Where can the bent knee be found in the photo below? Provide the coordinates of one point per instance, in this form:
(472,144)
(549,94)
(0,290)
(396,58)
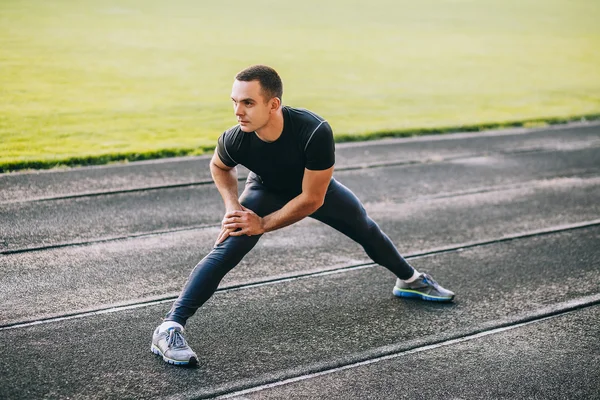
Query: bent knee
(235,245)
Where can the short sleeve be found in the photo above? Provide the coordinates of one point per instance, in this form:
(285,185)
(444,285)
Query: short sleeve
(222,151)
(320,149)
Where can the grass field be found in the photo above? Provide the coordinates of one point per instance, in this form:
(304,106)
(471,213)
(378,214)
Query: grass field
(99,80)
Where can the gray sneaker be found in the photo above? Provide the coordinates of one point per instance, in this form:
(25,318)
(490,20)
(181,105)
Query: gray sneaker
(424,287)
(173,348)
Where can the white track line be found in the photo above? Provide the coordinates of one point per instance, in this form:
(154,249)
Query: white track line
(428,253)
(436,137)
(570,306)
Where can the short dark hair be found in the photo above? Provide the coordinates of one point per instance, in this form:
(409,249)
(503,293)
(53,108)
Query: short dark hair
(269,80)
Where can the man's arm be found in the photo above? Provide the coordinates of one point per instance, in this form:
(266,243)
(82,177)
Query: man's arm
(314,188)
(225,179)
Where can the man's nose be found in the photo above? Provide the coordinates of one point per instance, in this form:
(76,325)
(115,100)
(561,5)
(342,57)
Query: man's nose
(238,109)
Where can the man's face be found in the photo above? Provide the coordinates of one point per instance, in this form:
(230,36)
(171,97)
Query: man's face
(249,105)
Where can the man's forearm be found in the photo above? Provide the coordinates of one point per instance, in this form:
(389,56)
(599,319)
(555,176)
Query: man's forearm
(227,185)
(296,209)
(247,222)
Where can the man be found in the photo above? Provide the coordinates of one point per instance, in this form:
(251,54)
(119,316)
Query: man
(290,153)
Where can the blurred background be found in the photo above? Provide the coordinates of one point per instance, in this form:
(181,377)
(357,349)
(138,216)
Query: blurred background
(99,80)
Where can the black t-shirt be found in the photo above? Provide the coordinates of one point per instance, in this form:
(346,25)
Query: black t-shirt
(306,142)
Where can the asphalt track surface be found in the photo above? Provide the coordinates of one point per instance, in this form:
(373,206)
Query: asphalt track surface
(91,259)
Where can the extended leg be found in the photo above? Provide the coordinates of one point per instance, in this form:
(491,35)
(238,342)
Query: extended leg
(206,276)
(344,212)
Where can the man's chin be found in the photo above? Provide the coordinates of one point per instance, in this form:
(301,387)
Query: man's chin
(246,128)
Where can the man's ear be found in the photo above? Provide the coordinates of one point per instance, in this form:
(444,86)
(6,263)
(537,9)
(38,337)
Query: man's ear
(275,104)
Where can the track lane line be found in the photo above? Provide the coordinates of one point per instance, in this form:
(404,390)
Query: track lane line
(291,278)
(550,312)
(444,195)
(242,178)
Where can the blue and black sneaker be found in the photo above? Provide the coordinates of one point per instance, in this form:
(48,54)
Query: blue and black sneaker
(425,288)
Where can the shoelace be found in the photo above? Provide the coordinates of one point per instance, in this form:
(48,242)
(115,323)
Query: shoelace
(175,339)
(428,279)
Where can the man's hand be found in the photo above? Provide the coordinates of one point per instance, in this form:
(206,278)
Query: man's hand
(240,222)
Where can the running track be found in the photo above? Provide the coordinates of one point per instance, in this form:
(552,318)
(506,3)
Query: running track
(91,259)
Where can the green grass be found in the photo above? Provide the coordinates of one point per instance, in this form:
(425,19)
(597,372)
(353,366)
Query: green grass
(99,80)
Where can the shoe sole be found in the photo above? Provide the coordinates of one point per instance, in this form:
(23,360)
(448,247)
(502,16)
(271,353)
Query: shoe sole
(418,295)
(192,361)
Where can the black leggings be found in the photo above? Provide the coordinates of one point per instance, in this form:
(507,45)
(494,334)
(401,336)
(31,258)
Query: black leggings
(341,210)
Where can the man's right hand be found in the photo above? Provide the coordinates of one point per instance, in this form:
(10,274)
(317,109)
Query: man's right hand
(224,233)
